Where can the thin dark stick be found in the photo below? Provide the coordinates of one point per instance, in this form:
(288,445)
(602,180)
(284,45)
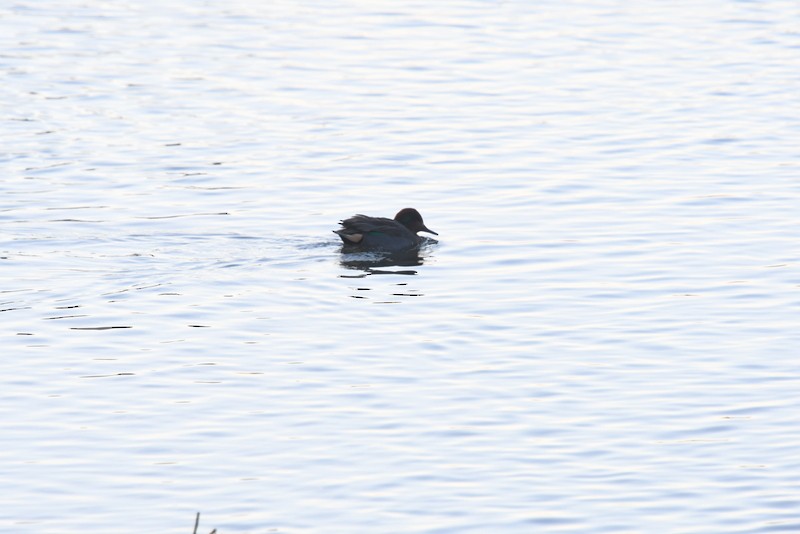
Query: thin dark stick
(196,522)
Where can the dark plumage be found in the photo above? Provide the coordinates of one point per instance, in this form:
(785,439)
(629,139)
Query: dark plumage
(380,233)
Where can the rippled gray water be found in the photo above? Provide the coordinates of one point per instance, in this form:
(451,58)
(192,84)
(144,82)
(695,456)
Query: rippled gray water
(604,338)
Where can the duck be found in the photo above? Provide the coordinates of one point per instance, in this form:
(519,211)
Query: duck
(381,233)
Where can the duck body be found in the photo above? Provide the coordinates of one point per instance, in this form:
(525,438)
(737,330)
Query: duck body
(384,234)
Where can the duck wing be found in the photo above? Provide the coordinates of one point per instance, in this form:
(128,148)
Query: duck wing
(356,227)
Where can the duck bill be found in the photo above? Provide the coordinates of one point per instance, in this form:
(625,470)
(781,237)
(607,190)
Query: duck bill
(426,229)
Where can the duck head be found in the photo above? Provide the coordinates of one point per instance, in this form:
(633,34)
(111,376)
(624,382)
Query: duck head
(411,219)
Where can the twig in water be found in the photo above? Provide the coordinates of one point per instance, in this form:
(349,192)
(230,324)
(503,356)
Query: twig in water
(197,523)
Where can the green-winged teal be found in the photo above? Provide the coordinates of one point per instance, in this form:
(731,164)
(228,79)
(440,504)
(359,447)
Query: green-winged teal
(380,233)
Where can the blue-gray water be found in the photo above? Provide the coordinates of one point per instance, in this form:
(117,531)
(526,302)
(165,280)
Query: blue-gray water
(604,339)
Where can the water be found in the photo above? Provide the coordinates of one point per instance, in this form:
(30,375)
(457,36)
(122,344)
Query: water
(603,339)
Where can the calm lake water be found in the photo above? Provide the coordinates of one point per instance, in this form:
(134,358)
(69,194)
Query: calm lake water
(603,339)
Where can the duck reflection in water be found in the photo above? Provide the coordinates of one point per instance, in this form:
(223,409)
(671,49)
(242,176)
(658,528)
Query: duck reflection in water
(371,262)
(372,242)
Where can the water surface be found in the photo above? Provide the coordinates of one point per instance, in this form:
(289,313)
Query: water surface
(603,339)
